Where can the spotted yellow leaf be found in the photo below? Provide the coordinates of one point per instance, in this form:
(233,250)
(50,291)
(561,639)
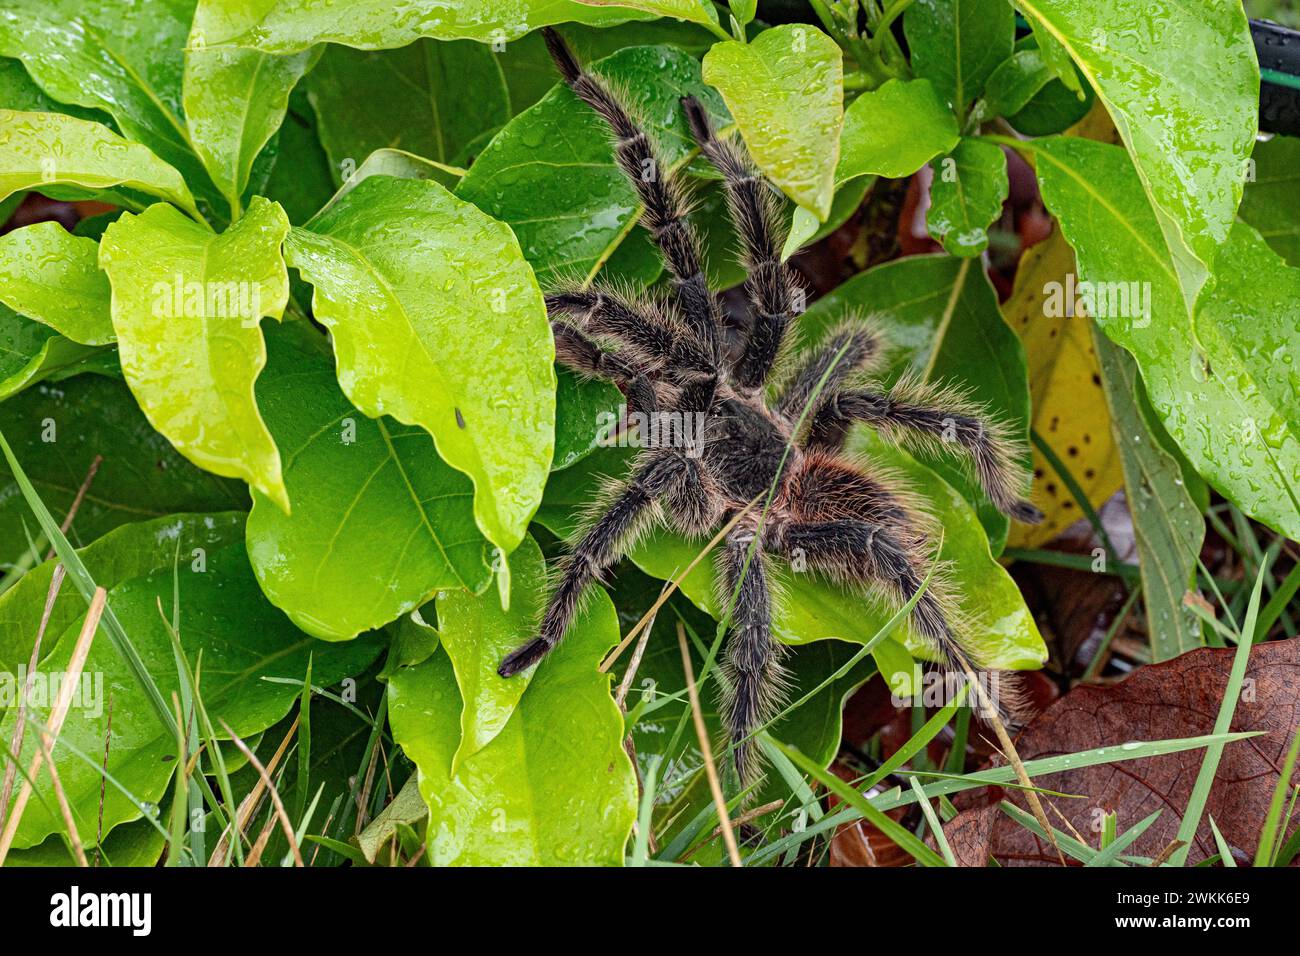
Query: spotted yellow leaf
(1069,407)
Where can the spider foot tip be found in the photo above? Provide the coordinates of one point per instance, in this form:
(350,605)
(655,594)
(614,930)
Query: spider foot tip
(523,657)
(1026,513)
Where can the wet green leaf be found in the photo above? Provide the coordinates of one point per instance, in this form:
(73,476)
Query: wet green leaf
(288,26)
(234,100)
(425,88)
(38,150)
(379,524)
(1015,82)
(895,130)
(1181,82)
(52,276)
(476,634)
(1167,523)
(125,59)
(956,45)
(579,406)
(530,72)
(19,92)
(812,609)
(570,205)
(437,321)
(1272,200)
(218,598)
(1027,91)
(56,431)
(804,227)
(31,352)
(300,179)
(132,844)
(693,11)
(941,322)
(786,92)
(554,786)
(131,550)
(1218,388)
(966,194)
(186,308)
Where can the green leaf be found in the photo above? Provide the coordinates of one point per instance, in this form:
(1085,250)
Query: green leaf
(218,598)
(477,634)
(530,72)
(1056,58)
(1026,90)
(805,229)
(38,150)
(425,88)
(956,45)
(579,406)
(380,523)
(563,195)
(1272,200)
(941,320)
(300,179)
(693,11)
(1016,81)
(1181,82)
(554,787)
(50,275)
(1222,370)
(438,321)
(128,551)
(814,609)
(234,100)
(966,194)
(19,92)
(125,59)
(288,26)
(1166,521)
(31,352)
(186,307)
(786,91)
(895,130)
(56,432)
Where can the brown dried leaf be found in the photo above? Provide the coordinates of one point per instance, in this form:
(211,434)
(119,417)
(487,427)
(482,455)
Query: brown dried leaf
(1178,698)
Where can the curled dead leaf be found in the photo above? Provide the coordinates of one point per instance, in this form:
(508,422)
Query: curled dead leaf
(1178,698)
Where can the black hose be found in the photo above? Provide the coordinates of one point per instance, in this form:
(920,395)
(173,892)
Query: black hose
(1278,50)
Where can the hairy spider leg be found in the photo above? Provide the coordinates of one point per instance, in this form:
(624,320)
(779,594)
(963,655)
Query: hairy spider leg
(655,340)
(659,192)
(663,474)
(770,284)
(846,351)
(753,677)
(943,422)
(579,353)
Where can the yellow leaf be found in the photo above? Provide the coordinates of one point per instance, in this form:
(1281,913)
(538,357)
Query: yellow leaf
(1069,407)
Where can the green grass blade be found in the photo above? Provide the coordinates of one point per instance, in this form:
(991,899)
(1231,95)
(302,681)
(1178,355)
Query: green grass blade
(1210,765)
(644,820)
(86,585)
(1109,854)
(1115,753)
(1268,836)
(1225,851)
(905,839)
(940,838)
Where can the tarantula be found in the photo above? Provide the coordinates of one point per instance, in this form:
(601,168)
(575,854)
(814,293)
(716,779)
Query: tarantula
(848,520)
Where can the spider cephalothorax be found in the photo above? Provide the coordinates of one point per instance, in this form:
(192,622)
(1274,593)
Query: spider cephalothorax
(842,518)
